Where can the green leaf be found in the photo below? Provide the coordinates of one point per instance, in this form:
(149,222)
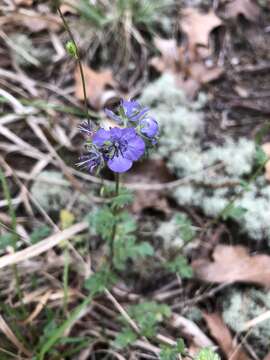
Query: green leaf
(233,212)
(57,333)
(124,198)
(125,224)
(71,49)
(172,352)
(186,230)
(100,280)
(148,315)
(102,222)
(40,233)
(7,240)
(207,354)
(260,156)
(143,249)
(126,337)
(180,266)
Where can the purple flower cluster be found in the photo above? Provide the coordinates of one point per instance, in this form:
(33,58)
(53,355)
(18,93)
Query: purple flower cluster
(120,146)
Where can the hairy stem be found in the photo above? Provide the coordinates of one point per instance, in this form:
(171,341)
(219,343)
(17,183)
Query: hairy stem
(116,193)
(78,58)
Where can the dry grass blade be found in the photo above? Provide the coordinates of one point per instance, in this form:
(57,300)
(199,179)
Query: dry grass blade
(257,320)
(42,246)
(38,308)
(11,336)
(191,329)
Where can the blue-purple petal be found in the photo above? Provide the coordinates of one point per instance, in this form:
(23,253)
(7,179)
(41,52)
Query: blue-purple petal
(119,164)
(149,127)
(112,116)
(135,148)
(100,137)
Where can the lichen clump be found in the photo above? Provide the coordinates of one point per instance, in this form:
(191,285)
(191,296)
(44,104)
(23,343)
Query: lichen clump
(241,306)
(216,172)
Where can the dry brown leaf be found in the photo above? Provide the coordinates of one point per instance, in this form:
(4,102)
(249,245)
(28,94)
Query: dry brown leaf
(170,55)
(266,149)
(267,357)
(247,8)
(96,84)
(198,26)
(69,6)
(222,335)
(24,2)
(233,264)
(204,75)
(150,172)
(33,21)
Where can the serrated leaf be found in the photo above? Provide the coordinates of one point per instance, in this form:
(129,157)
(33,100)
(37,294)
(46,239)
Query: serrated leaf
(180,266)
(125,224)
(124,198)
(207,354)
(148,315)
(172,352)
(100,280)
(102,222)
(40,233)
(233,212)
(260,156)
(186,230)
(6,240)
(126,337)
(144,249)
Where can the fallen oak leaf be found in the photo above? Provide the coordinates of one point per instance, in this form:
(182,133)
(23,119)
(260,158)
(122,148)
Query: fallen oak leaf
(24,2)
(96,83)
(247,8)
(222,335)
(198,27)
(33,21)
(234,264)
(204,75)
(169,52)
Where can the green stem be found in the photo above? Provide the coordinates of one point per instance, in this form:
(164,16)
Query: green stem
(65,278)
(12,215)
(116,193)
(78,58)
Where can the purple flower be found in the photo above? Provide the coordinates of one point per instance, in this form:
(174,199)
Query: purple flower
(86,128)
(149,127)
(92,160)
(131,109)
(113,116)
(120,147)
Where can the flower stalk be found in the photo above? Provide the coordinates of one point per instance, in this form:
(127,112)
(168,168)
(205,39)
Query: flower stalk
(114,211)
(73,50)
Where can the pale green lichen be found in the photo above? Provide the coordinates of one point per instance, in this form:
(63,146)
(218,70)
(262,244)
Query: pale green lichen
(176,232)
(241,306)
(210,170)
(53,193)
